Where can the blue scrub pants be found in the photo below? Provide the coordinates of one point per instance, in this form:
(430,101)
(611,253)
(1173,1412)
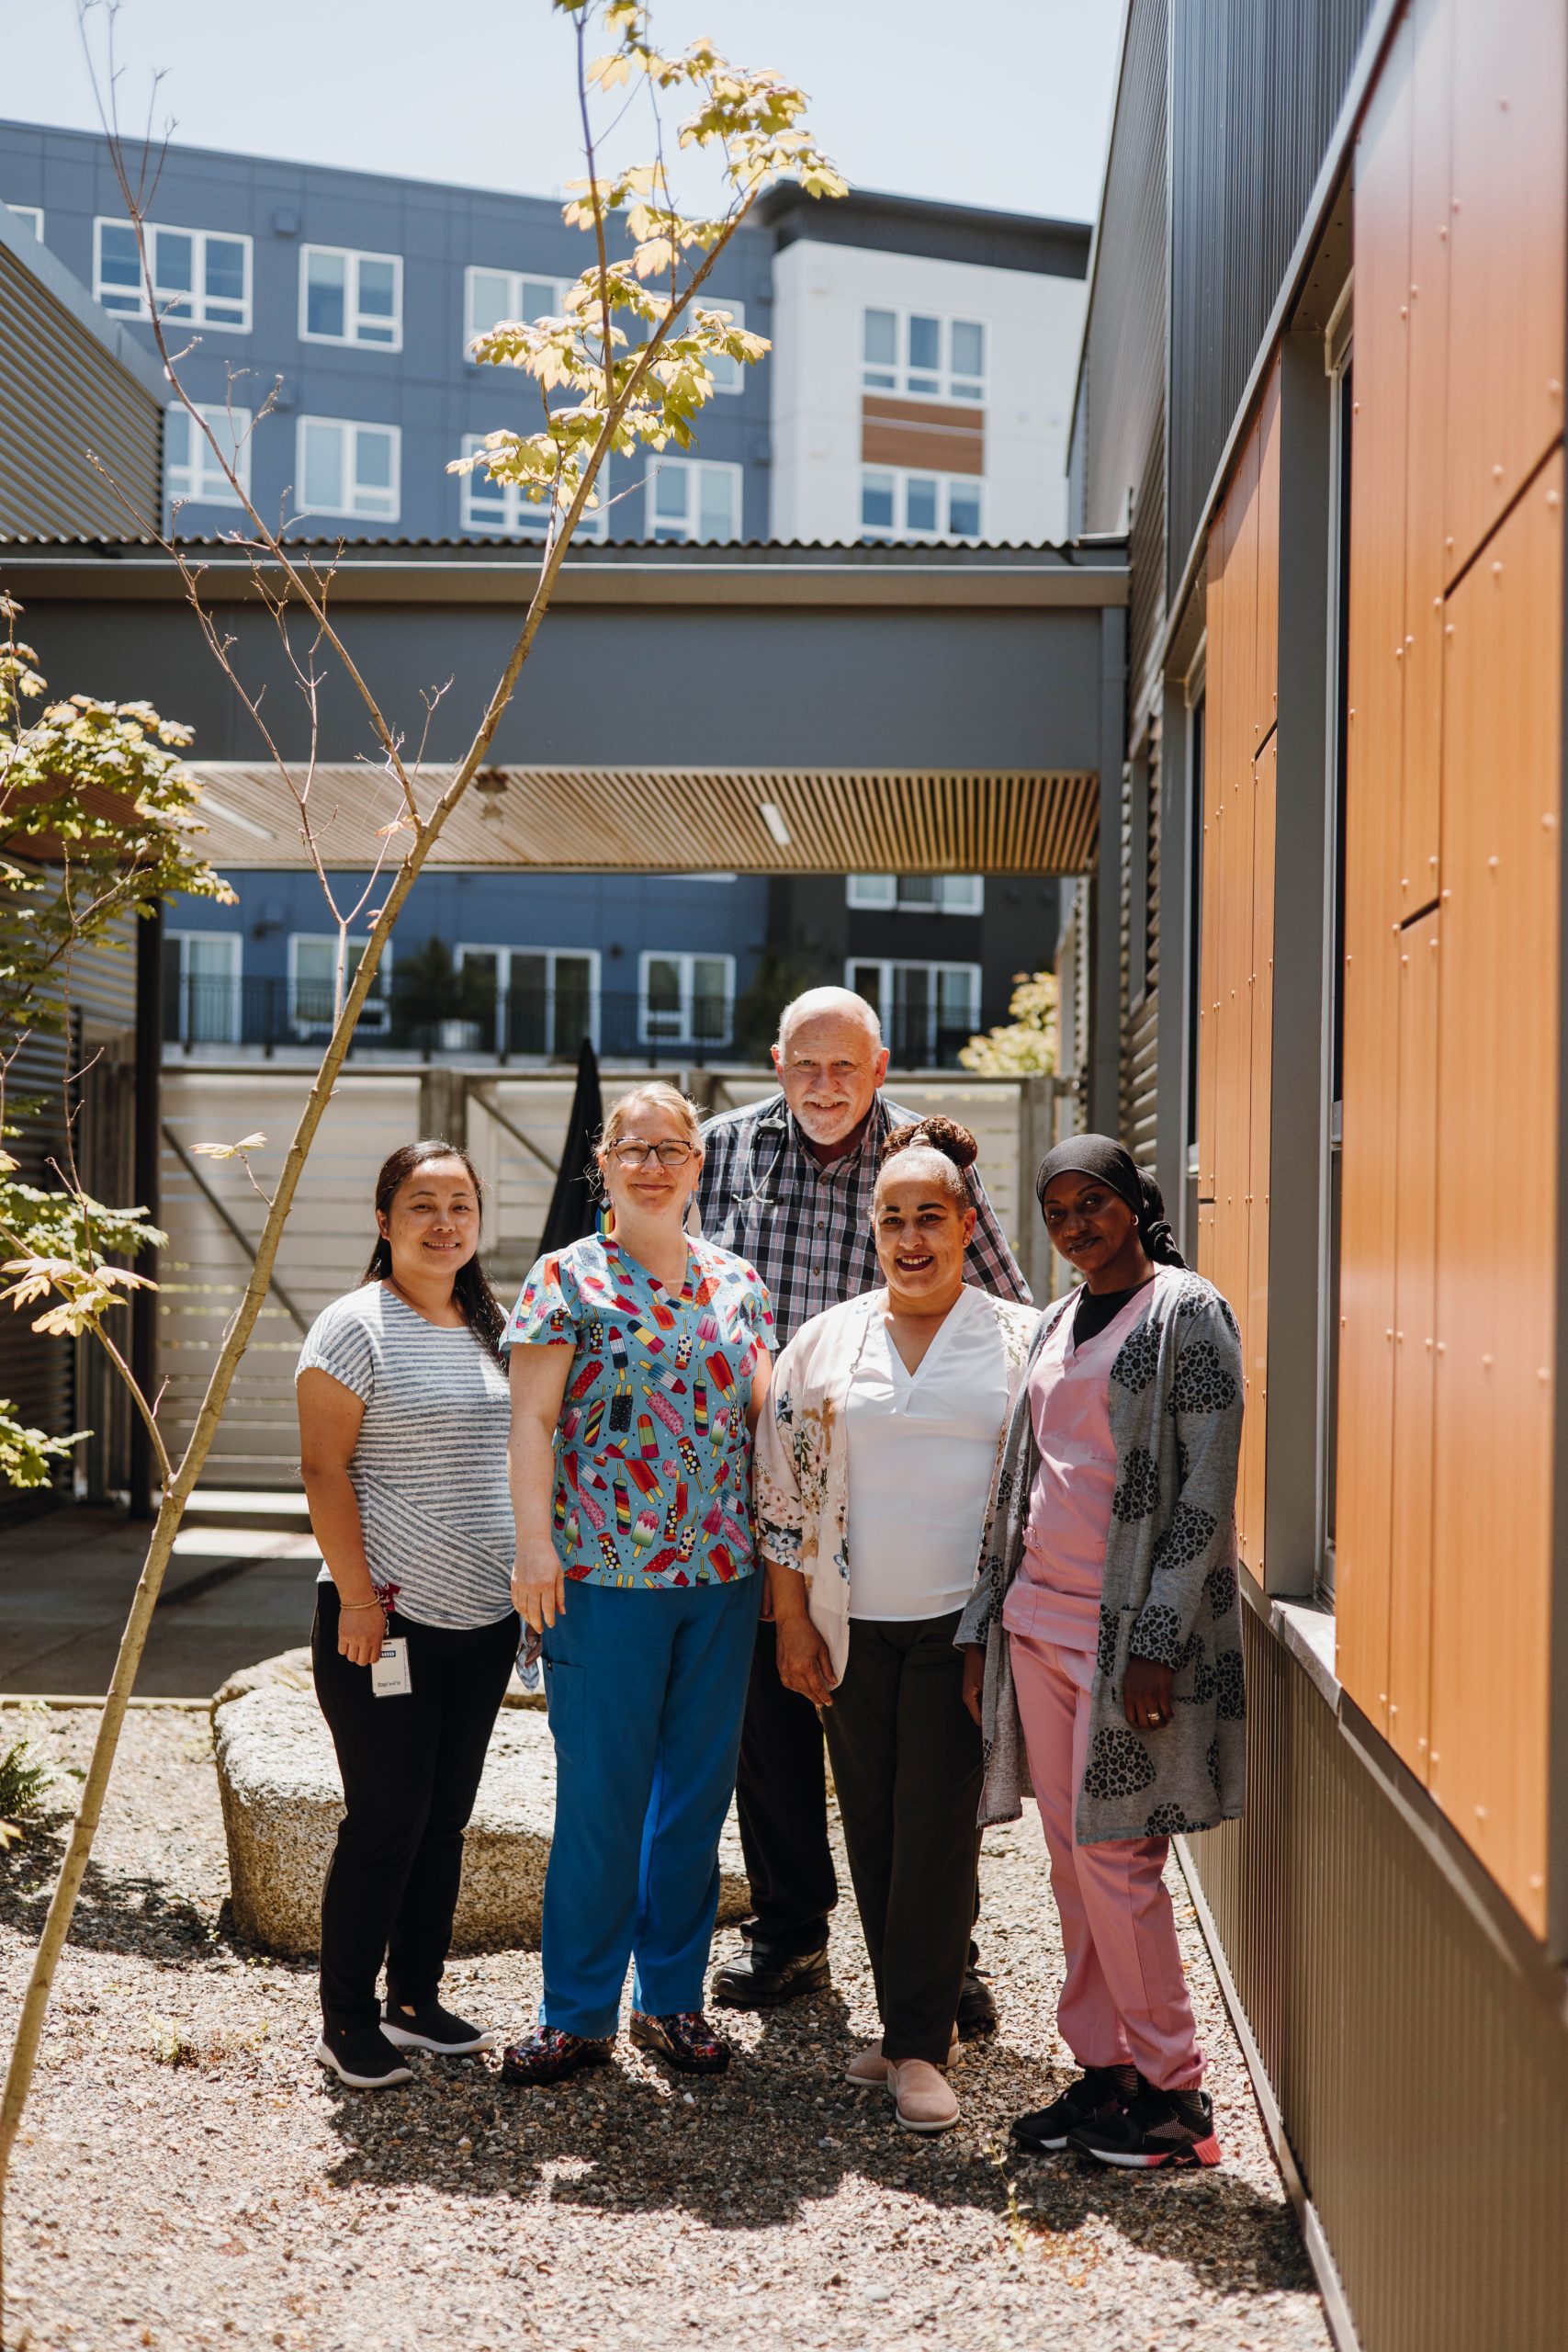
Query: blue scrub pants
(646,1690)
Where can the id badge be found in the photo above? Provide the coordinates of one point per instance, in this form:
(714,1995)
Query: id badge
(389,1675)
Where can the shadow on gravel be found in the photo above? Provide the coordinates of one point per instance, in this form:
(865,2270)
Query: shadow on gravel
(115,1912)
(756,2147)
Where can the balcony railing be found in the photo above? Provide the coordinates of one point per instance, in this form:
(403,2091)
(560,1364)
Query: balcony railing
(524,1025)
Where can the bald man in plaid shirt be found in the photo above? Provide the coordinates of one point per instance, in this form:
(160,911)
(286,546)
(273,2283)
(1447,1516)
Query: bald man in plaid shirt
(788,1184)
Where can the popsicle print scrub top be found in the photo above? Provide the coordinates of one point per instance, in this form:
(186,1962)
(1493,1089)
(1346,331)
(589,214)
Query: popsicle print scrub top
(645,1668)
(653,1455)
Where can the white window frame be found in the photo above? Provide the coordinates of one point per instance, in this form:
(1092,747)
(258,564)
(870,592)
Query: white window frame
(32,214)
(728,375)
(354,318)
(504,955)
(376,1016)
(691,470)
(956,386)
(899,529)
(523,517)
(887,968)
(204,482)
(354,427)
(126,304)
(685,960)
(517,307)
(224,1033)
(959,893)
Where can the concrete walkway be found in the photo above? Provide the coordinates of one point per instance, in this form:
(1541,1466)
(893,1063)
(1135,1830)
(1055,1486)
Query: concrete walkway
(239,1588)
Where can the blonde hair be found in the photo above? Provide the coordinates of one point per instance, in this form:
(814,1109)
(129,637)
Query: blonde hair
(663,1097)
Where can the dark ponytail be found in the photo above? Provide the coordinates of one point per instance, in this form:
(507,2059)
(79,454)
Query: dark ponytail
(478,1304)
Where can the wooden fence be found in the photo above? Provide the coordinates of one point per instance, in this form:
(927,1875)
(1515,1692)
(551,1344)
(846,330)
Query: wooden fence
(514,1125)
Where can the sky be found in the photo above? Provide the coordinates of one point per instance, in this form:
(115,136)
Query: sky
(1008,106)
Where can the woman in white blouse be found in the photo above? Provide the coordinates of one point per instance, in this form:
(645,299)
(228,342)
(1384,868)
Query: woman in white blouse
(874,1463)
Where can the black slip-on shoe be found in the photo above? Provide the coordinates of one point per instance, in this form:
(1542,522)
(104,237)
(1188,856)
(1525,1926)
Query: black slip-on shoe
(764,1978)
(977,2010)
(1154,2129)
(361,2056)
(430,2027)
(548,2055)
(1097,2094)
(685,2039)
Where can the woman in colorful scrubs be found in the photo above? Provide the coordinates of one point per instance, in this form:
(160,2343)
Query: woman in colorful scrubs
(639,1362)
(1104,1642)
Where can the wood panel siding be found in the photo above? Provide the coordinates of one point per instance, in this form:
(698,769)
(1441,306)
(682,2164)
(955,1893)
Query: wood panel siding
(1497,1208)
(1505,328)
(935,433)
(1252,1308)
(1426,564)
(1414,1347)
(1237,927)
(1452,974)
(1374,755)
(1266,654)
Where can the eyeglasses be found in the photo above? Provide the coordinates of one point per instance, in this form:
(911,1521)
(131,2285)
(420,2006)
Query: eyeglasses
(633,1153)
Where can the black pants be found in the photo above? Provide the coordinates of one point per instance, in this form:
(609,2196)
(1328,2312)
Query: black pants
(907,1766)
(410,1769)
(780,1795)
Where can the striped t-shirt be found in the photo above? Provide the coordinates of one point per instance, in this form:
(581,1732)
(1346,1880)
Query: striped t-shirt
(429,1468)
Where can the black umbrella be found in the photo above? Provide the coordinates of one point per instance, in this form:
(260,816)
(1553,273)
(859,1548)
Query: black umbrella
(574,1202)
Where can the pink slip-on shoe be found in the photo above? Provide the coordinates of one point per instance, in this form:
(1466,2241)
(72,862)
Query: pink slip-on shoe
(867,2070)
(922,2096)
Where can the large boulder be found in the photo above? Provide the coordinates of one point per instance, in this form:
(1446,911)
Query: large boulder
(282,1802)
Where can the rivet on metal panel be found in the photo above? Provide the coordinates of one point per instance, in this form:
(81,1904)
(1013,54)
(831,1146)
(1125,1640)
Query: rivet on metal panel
(1550,821)
(1443,234)
(1486,1364)
(1456,204)
(1554,393)
(1442,1347)
(1496,476)
(1389,1333)
(1544,1372)
(1437,603)
(1399,652)
(1436,1757)
(1449,629)
(1428,1343)
(1492,862)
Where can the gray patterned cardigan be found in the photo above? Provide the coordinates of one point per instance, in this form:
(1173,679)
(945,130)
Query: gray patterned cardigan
(1170,1585)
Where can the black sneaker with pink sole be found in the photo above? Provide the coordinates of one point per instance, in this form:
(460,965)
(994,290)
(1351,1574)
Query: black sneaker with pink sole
(1154,2130)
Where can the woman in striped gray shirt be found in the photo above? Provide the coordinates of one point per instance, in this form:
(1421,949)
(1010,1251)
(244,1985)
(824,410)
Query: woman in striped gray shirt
(404,1415)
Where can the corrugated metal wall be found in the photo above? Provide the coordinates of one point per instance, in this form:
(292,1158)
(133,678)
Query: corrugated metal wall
(1255,92)
(1124,437)
(64,396)
(1424,2082)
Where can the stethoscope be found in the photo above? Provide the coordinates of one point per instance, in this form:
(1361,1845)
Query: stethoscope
(749,1192)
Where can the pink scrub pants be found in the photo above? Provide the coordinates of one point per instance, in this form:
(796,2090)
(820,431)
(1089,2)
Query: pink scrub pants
(1125,1998)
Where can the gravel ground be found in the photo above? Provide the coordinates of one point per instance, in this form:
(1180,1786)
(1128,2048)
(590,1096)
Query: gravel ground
(187,2176)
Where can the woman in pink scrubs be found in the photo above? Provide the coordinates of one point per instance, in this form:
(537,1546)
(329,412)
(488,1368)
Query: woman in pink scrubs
(1105,1629)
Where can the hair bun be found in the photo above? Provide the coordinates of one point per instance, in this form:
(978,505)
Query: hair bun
(935,1133)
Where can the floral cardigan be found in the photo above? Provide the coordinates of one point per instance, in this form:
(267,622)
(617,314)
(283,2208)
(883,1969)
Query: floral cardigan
(801,1471)
(1169,1592)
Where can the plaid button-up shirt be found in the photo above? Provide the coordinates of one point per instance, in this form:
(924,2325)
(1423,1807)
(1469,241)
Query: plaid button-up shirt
(806,1227)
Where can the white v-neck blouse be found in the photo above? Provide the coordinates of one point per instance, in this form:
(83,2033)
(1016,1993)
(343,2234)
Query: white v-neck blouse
(922,1448)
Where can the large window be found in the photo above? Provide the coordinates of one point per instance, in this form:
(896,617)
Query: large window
(347,297)
(342,468)
(199,274)
(532,999)
(693,498)
(927,1011)
(312,978)
(201,987)
(898,505)
(728,375)
(502,509)
(943,894)
(32,214)
(685,999)
(923,356)
(492,295)
(190,465)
